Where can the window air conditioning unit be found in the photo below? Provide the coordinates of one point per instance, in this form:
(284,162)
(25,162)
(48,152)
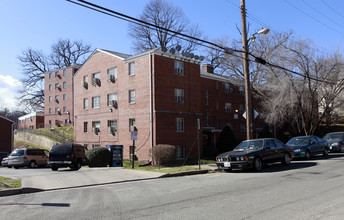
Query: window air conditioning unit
(56,100)
(58,112)
(111,78)
(96,82)
(111,130)
(84,84)
(95,130)
(113,103)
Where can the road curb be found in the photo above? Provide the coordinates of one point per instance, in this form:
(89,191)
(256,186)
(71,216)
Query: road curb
(187,173)
(10,192)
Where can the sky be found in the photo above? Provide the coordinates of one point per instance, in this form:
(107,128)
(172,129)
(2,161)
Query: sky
(37,24)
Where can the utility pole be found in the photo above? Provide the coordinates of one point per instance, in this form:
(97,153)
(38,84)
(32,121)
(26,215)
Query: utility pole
(245,49)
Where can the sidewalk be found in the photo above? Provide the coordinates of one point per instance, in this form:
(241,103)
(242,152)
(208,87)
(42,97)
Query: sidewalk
(67,179)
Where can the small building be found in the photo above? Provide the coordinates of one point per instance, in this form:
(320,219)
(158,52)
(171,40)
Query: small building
(6,137)
(33,120)
(59,96)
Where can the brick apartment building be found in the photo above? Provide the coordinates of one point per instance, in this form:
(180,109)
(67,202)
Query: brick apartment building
(58,96)
(161,94)
(6,137)
(31,121)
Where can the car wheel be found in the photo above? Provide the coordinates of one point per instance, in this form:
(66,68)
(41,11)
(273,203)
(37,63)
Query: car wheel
(9,166)
(32,164)
(308,155)
(342,148)
(54,167)
(286,159)
(257,164)
(77,165)
(325,153)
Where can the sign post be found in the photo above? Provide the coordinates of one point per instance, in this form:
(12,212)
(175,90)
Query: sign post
(133,137)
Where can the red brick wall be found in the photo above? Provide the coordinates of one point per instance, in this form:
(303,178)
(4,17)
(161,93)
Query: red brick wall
(6,137)
(59,119)
(101,62)
(32,122)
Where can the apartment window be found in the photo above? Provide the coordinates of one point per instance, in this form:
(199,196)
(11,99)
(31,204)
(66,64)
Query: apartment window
(228,107)
(206,97)
(217,85)
(132,123)
(180,152)
(132,96)
(57,110)
(228,88)
(241,108)
(64,85)
(64,97)
(112,99)
(50,87)
(131,69)
(179,124)
(179,68)
(49,110)
(64,72)
(57,99)
(57,85)
(96,79)
(85,103)
(179,95)
(50,98)
(64,109)
(84,83)
(112,74)
(242,90)
(85,127)
(49,75)
(95,127)
(96,102)
(56,74)
(112,126)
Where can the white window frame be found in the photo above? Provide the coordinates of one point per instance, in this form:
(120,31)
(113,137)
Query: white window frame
(85,103)
(228,88)
(132,122)
(180,125)
(96,102)
(96,124)
(112,124)
(85,127)
(132,69)
(179,68)
(111,97)
(228,107)
(242,90)
(132,96)
(179,95)
(112,71)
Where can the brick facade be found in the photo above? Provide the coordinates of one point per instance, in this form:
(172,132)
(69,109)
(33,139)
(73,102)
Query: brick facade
(171,93)
(58,96)
(6,137)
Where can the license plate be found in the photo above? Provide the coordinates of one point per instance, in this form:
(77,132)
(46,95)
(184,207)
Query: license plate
(227,164)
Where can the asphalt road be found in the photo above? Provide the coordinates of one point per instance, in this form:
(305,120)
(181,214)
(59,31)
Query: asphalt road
(304,190)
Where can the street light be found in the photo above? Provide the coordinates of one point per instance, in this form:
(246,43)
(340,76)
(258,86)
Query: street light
(249,126)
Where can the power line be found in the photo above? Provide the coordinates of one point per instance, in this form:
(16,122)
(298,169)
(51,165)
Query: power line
(184,36)
(312,17)
(339,14)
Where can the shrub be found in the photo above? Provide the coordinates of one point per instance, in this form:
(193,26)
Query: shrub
(163,153)
(98,157)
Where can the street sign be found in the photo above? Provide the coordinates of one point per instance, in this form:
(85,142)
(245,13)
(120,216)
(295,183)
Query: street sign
(133,135)
(255,114)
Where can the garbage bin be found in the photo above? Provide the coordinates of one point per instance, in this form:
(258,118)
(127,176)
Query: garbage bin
(116,155)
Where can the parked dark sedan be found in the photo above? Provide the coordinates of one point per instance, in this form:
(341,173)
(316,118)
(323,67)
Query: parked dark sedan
(255,153)
(335,141)
(307,146)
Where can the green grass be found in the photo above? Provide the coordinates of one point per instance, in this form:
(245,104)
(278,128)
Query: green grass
(67,132)
(9,183)
(23,144)
(176,167)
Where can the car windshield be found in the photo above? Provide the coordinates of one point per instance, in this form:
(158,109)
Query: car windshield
(17,153)
(333,137)
(298,141)
(61,149)
(250,145)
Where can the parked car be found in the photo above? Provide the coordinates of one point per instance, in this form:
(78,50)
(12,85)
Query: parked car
(307,146)
(30,157)
(335,141)
(255,153)
(4,162)
(66,155)
(3,155)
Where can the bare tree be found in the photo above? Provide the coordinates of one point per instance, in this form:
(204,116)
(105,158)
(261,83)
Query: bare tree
(35,63)
(162,14)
